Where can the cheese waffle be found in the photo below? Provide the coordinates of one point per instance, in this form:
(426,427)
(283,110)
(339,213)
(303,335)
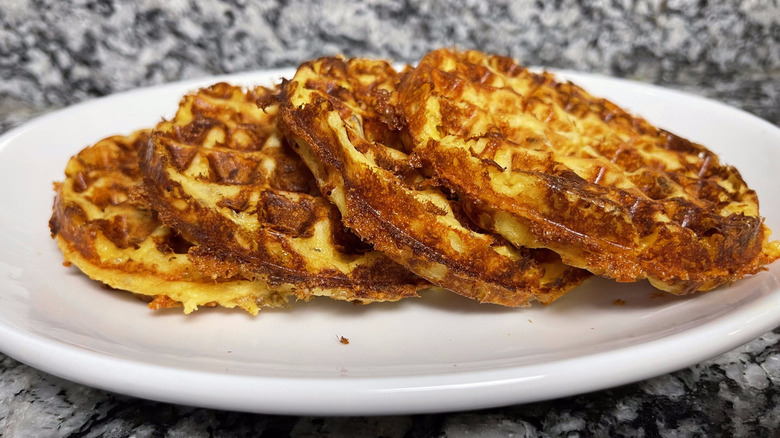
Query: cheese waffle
(341,116)
(546,165)
(102,226)
(220,173)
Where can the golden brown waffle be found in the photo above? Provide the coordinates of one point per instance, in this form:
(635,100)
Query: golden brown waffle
(546,165)
(220,173)
(342,118)
(102,226)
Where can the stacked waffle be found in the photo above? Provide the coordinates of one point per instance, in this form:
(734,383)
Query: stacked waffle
(358,182)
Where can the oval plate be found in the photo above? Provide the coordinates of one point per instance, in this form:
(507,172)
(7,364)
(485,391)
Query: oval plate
(437,353)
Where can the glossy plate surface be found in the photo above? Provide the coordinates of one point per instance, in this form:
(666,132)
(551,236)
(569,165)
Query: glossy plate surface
(438,353)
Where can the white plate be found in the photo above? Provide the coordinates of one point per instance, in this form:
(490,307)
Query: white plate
(438,353)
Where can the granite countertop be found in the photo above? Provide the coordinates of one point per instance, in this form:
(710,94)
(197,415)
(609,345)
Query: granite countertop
(57,53)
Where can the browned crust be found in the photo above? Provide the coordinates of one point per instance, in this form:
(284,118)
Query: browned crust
(112,158)
(103,227)
(594,223)
(287,210)
(381,202)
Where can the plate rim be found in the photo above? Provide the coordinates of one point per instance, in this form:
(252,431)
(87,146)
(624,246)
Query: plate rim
(357,395)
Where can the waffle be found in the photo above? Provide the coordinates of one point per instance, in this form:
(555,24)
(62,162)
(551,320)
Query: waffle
(341,116)
(546,165)
(221,175)
(103,227)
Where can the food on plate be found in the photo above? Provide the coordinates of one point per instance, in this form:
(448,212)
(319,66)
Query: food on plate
(546,165)
(220,174)
(354,181)
(103,227)
(341,116)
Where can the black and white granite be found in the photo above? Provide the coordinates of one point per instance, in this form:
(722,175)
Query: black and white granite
(56,53)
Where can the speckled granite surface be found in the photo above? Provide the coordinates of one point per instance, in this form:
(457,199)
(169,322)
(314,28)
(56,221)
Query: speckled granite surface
(56,53)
